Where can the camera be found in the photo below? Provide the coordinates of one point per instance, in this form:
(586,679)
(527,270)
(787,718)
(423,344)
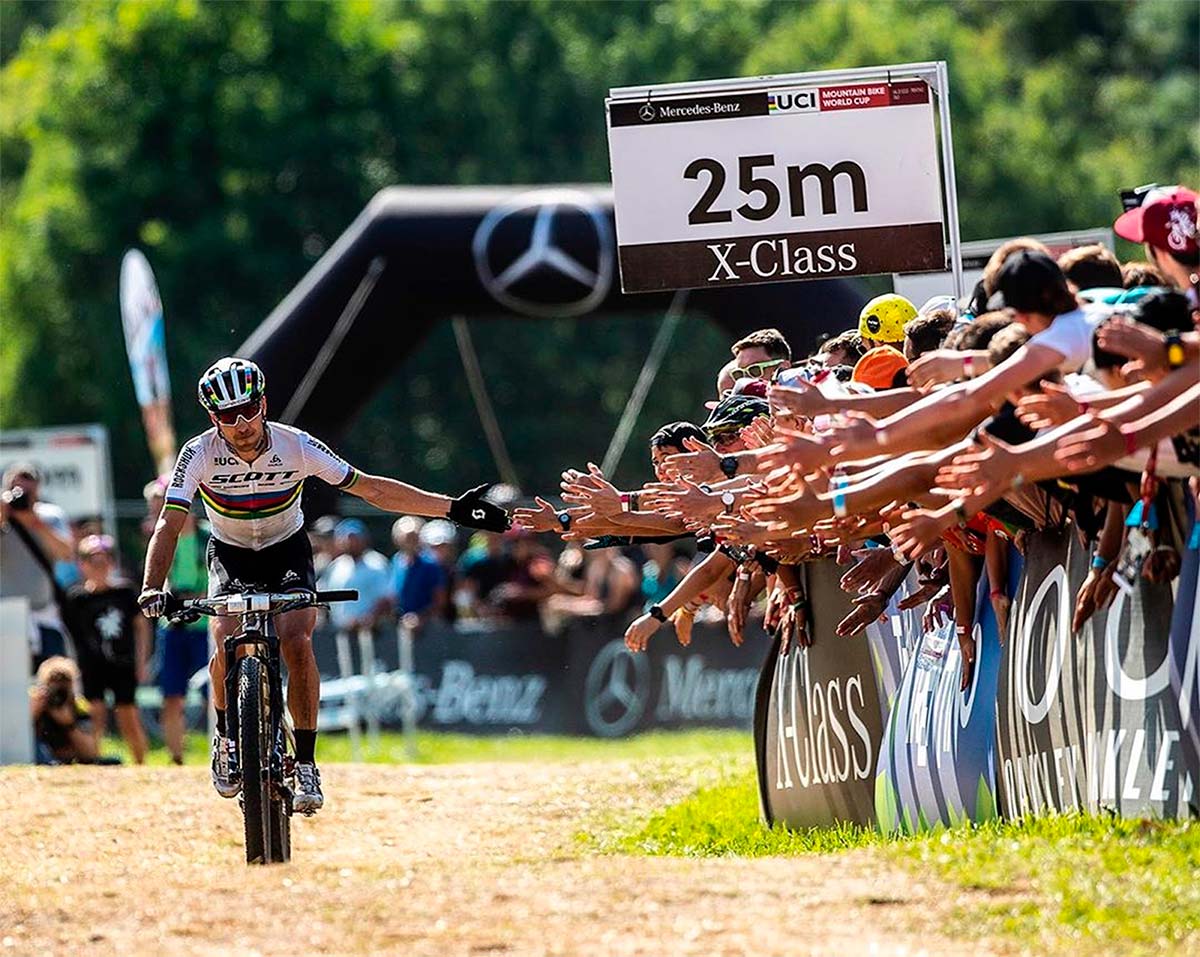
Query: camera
(57,695)
(16,499)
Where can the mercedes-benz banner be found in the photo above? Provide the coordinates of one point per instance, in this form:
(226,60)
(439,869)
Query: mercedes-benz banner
(773,183)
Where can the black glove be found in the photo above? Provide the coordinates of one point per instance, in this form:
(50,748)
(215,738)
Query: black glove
(152,602)
(471,510)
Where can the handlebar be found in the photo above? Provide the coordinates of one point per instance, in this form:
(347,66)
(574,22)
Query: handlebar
(271,603)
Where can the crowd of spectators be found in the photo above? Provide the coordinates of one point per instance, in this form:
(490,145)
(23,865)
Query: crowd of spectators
(1059,393)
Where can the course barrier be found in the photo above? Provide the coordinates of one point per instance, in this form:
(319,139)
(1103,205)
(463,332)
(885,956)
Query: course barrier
(499,678)
(874,729)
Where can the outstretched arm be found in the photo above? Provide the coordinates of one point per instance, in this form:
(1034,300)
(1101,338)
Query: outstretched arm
(391,495)
(468,509)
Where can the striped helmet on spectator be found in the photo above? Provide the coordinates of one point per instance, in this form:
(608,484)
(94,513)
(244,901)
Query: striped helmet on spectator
(231,382)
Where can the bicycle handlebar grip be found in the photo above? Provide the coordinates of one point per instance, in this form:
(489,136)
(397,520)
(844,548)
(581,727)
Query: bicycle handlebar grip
(344,594)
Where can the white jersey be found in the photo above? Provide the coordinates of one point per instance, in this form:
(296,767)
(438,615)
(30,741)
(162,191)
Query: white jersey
(254,505)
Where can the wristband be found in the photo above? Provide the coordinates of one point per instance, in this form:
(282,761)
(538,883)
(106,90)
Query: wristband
(656,612)
(997,593)
(961,629)
(881,436)
(1131,444)
(634,499)
(969,367)
(1083,408)
(624,501)
(1098,562)
(839,504)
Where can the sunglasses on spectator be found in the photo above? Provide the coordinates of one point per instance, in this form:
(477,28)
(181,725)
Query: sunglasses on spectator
(249,411)
(756,370)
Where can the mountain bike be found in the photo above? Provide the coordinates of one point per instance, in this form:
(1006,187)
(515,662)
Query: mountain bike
(255,712)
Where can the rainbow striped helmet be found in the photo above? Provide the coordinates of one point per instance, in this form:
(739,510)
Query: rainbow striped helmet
(231,382)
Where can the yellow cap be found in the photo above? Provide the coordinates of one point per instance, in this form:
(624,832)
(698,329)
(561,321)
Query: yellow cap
(884,318)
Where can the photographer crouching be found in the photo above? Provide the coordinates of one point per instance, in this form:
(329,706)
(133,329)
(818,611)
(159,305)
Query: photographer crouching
(59,716)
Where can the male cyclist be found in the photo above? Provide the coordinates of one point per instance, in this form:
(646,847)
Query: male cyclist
(250,474)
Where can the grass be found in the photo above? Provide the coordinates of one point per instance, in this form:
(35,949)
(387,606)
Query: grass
(435,747)
(1061,884)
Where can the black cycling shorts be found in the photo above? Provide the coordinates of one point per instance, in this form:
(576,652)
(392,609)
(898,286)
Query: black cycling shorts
(284,566)
(100,674)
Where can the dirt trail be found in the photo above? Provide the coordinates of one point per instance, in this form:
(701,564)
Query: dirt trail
(457,859)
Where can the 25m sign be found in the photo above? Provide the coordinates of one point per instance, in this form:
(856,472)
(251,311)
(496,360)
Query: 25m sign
(766,185)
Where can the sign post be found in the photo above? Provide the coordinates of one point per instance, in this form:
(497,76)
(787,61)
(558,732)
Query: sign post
(784,178)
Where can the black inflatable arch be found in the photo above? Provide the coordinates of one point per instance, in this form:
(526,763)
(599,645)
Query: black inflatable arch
(418,255)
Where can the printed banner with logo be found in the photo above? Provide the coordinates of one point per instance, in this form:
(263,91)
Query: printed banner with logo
(582,680)
(1103,719)
(773,183)
(824,719)
(937,761)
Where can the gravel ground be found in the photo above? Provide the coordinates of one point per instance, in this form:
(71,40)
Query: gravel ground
(441,860)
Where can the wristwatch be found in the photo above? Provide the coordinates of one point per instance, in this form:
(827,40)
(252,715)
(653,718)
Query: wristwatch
(656,612)
(564,519)
(727,499)
(729,465)
(1175,354)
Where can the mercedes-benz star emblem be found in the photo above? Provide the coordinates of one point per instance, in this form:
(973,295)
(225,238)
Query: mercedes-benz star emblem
(616,691)
(647,112)
(542,253)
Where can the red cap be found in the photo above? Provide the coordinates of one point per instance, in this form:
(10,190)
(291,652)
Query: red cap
(878,367)
(1166,220)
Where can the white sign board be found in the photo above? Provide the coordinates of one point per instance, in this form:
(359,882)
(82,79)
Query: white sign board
(779,180)
(74,463)
(920,287)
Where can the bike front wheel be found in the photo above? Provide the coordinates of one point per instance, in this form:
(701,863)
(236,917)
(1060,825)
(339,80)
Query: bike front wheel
(267,832)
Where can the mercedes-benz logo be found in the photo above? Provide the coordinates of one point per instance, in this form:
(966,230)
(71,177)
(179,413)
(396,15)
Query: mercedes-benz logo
(616,691)
(542,253)
(647,112)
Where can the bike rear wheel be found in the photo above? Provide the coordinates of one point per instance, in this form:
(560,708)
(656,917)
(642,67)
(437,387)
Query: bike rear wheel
(267,832)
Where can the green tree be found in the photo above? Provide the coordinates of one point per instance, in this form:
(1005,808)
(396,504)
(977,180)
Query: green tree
(234,141)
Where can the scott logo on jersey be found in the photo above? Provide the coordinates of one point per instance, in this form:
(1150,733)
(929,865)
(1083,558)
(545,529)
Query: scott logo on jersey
(236,478)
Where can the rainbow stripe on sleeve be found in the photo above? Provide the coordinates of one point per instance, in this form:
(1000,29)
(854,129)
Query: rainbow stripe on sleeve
(178,503)
(252,505)
(350,479)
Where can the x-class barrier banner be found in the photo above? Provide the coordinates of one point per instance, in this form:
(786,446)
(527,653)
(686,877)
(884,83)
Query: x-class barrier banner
(1104,719)
(823,719)
(776,184)
(937,760)
(877,729)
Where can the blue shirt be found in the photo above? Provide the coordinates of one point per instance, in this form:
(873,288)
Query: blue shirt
(415,581)
(369,575)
